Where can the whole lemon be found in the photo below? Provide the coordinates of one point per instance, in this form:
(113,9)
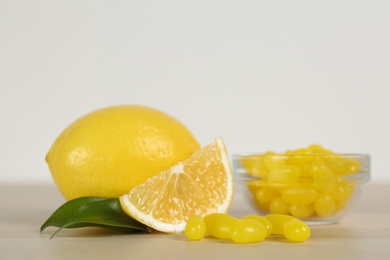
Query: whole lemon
(109,151)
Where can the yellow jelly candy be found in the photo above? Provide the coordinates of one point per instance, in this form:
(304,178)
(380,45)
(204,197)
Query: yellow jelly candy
(277,222)
(279,206)
(296,230)
(211,219)
(304,171)
(248,231)
(253,165)
(337,166)
(340,205)
(266,194)
(284,175)
(324,179)
(316,148)
(253,186)
(263,221)
(320,170)
(305,167)
(342,192)
(300,157)
(300,196)
(325,206)
(302,211)
(306,182)
(262,205)
(272,161)
(195,228)
(352,165)
(221,227)
(303,151)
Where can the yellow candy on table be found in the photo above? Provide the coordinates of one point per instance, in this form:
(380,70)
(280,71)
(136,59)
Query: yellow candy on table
(248,231)
(325,205)
(211,219)
(220,227)
(279,206)
(195,228)
(262,220)
(296,230)
(277,222)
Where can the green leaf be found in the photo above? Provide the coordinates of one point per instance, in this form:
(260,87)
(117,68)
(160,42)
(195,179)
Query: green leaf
(66,211)
(93,212)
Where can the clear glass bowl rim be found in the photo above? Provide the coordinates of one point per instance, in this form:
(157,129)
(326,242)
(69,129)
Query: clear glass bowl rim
(362,176)
(248,155)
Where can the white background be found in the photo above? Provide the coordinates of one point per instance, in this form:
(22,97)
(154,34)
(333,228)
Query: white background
(264,75)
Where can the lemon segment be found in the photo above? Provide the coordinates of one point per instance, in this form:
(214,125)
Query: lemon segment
(200,185)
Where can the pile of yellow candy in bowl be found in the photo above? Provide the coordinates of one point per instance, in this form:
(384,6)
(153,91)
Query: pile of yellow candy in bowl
(312,184)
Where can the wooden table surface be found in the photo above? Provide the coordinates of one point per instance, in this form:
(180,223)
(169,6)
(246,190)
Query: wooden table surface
(363,234)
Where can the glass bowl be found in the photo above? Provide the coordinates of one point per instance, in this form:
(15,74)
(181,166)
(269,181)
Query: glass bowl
(316,188)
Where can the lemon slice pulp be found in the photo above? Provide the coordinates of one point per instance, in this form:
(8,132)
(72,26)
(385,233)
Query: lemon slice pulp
(200,185)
